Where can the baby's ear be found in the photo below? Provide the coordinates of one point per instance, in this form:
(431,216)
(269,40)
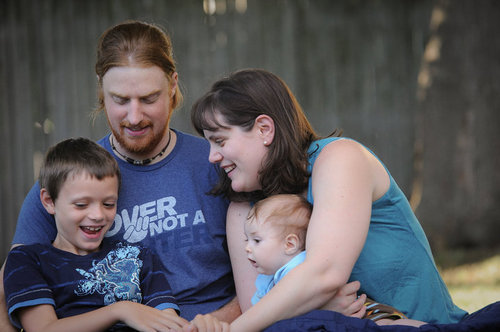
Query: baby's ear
(47,201)
(292,244)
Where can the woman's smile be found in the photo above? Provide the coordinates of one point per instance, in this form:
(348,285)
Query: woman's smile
(228,168)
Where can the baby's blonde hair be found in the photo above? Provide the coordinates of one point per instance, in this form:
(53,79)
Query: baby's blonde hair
(288,211)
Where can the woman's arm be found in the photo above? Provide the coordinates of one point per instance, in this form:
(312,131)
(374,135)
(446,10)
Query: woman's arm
(138,316)
(244,273)
(345,180)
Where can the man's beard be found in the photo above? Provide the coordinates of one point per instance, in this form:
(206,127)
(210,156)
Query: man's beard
(139,146)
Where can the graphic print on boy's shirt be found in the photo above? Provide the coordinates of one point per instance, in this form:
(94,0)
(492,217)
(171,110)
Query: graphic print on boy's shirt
(116,276)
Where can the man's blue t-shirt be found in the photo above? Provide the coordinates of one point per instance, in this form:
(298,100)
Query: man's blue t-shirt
(164,207)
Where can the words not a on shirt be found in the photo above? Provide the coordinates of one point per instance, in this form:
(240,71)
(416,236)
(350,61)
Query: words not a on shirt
(160,217)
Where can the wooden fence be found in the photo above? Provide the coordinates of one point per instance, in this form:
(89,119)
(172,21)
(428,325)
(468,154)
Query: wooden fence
(416,81)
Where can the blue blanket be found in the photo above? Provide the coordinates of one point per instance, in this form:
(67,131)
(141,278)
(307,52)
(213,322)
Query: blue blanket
(484,320)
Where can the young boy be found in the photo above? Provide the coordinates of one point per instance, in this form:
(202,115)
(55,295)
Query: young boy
(76,284)
(275,230)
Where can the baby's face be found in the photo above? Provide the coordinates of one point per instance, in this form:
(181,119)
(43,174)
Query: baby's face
(265,247)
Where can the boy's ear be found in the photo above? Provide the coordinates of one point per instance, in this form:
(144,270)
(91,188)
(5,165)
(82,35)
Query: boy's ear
(265,126)
(292,244)
(47,201)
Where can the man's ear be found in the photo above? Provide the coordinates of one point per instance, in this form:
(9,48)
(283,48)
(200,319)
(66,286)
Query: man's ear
(265,126)
(47,201)
(292,244)
(173,84)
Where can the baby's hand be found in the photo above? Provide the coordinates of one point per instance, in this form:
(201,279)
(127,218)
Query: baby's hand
(206,323)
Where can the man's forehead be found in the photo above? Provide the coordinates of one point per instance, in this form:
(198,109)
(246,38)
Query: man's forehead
(145,80)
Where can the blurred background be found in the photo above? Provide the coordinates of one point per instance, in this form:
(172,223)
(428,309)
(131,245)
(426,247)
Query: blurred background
(416,81)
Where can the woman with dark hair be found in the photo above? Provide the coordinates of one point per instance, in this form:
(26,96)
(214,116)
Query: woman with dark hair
(361,228)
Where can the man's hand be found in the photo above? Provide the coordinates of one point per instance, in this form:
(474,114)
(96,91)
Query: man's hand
(206,323)
(229,312)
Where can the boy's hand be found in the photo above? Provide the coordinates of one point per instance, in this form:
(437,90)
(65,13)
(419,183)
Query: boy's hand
(206,323)
(144,318)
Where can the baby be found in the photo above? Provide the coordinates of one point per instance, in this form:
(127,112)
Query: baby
(275,231)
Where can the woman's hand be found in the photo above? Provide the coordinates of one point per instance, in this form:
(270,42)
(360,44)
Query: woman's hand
(206,323)
(347,302)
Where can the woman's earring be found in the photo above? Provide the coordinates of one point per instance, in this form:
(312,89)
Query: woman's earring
(265,143)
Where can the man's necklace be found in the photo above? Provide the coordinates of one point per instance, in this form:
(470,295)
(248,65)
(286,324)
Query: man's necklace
(145,161)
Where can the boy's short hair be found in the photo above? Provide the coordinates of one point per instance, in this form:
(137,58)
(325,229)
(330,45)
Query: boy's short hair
(289,211)
(74,156)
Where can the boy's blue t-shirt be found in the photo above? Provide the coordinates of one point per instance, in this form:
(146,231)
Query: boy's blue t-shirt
(39,274)
(164,207)
(396,266)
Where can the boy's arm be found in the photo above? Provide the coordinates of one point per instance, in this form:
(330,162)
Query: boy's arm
(5,324)
(138,316)
(34,224)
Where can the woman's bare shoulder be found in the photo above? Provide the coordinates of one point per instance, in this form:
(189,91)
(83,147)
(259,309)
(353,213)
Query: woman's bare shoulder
(350,160)
(343,152)
(343,145)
